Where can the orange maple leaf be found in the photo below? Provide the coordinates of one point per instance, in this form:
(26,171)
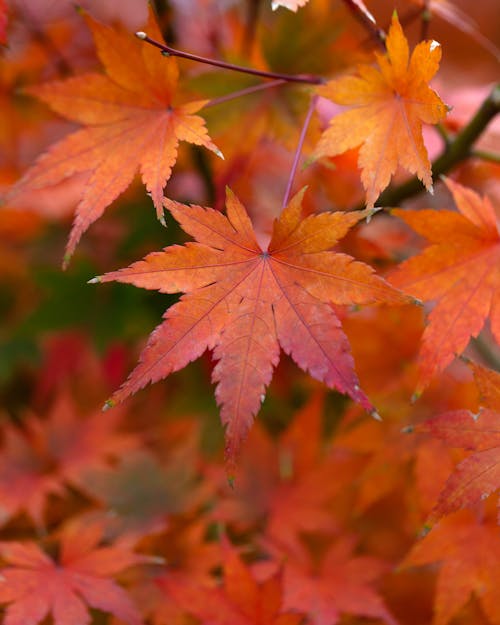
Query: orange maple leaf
(460,269)
(387,106)
(244,302)
(34,585)
(478,475)
(470,554)
(242,600)
(130,123)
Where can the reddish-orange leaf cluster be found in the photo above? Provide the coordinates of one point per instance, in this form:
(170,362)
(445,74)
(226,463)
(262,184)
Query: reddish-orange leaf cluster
(332,518)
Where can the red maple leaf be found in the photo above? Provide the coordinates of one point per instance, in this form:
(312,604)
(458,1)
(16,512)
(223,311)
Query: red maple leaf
(460,269)
(342,583)
(243,302)
(130,122)
(34,585)
(241,601)
(40,458)
(478,475)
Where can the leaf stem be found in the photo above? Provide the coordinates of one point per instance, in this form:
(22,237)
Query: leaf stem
(488,351)
(457,150)
(365,18)
(298,151)
(246,91)
(425,17)
(308,79)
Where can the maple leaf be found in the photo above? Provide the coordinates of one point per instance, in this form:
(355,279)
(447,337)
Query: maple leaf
(478,475)
(387,107)
(34,585)
(278,482)
(241,601)
(460,269)
(39,459)
(244,302)
(341,584)
(130,123)
(470,554)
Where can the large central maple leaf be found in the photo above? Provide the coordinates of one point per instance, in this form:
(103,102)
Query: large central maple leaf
(130,122)
(244,302)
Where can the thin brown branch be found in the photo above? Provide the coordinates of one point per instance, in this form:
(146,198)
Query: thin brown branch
(425,23)
(364,17)
(307,79)
(247,91)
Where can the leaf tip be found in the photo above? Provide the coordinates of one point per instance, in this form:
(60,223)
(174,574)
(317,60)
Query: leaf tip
(66,259)
(140,34)
(370,212)
(95,280)
(375,415)
(108,405)
(219,153)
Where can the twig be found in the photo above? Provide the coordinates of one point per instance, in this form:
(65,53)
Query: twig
(246,91)
(488,353)
(298,151)
(455,152)
(426,17)
(307,79)
(365,18)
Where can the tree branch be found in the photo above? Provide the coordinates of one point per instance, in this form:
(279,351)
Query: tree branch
(364,17)
(458,150)
(307,79)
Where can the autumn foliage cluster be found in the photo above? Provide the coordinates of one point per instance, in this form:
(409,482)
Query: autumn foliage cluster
(299,202)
